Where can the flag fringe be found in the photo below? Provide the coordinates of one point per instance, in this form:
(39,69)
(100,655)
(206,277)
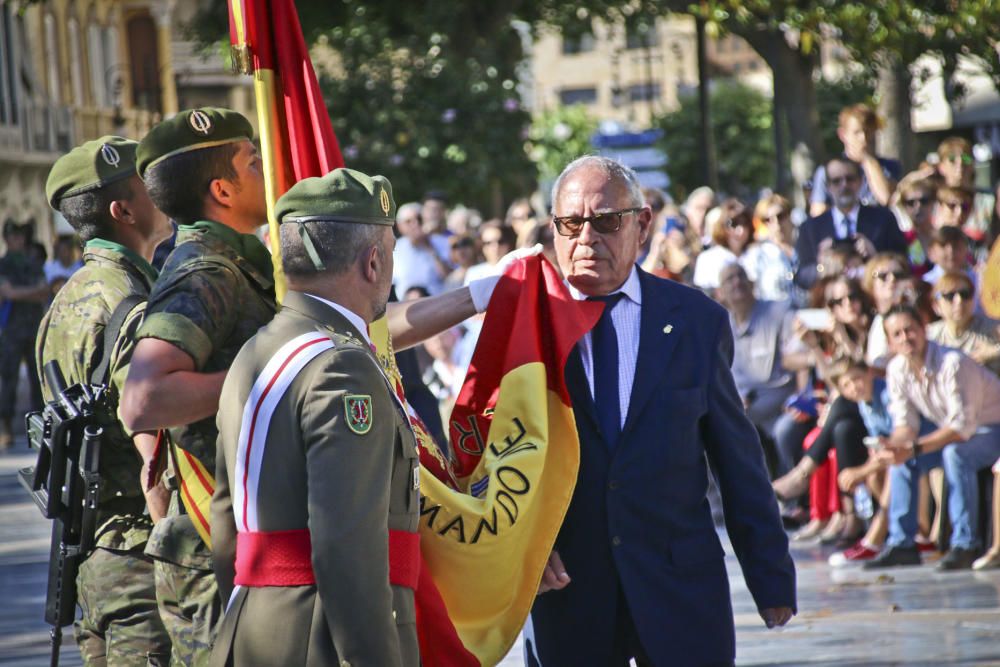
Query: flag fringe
(241,59)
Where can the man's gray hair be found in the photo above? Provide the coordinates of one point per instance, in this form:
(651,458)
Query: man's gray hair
(408,209)
(613,169)
(338,245)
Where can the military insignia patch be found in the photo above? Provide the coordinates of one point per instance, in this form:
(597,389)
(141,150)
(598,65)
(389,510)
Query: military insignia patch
(358,409)
(383,200)
(110,155)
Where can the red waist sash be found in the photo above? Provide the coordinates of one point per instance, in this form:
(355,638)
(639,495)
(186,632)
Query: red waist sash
(284,558)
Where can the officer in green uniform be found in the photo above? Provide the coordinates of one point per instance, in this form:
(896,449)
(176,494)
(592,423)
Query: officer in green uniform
(215,290)
(95,186)
(315,510)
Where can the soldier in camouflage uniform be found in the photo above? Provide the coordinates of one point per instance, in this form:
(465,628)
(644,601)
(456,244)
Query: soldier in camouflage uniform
(96,188)
(216,289)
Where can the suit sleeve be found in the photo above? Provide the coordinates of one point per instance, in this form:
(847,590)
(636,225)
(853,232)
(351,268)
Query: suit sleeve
(895,241)
(348,496)
(751,511)
(223,527)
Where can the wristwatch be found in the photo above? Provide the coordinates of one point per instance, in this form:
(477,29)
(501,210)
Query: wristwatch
(917,449)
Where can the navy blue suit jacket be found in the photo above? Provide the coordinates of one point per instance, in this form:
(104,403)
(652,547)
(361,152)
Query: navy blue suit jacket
(877,223)
(639,518)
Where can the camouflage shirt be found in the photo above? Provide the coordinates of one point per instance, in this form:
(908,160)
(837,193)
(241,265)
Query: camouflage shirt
(72,333)
(216,289)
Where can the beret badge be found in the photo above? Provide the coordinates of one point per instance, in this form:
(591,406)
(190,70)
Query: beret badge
(110,155)
(200,122)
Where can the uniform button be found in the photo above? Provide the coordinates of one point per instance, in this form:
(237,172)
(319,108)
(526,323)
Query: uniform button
(344,663)
(394,614)
(613,484)
(617,541)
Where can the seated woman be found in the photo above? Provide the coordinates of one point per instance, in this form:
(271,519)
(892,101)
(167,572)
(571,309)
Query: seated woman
(960,326)
(843,428)
(732,236)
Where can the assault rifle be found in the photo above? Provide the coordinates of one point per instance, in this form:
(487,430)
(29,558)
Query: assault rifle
(65,485)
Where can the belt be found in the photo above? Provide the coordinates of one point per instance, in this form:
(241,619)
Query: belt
(284,558)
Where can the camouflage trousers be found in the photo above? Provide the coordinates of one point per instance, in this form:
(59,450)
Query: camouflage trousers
(189,603)
(120,624)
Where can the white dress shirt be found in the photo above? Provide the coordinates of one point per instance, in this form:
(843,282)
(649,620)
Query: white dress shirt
(626,317)
(845,226)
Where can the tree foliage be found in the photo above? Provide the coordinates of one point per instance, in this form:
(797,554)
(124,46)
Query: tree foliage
(559,136)
(741,121)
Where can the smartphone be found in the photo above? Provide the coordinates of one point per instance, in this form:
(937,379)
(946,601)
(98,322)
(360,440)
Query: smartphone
(671,224)
(817,319)
(872,442)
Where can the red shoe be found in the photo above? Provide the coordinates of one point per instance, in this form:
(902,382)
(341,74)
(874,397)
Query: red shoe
(926,547)
(856,554)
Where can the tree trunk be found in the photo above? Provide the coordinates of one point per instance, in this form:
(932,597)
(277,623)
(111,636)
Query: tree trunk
(894,106)
(709,167)
(795,93)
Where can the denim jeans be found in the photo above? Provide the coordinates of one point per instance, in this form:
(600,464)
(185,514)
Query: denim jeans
(961,461)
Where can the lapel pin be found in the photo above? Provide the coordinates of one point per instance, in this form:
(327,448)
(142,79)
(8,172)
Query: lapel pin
(667,329)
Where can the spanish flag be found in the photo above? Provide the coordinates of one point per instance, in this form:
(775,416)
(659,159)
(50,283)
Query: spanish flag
(490,510)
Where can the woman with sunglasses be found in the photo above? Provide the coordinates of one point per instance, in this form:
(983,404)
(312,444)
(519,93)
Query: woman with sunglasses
(915,212)
(960,326)
(953,207)
(771,263)
(840,426)
(888,280)
(731,238)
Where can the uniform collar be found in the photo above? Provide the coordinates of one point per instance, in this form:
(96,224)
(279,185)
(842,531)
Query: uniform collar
(356,321)
(247,246)
(131,256)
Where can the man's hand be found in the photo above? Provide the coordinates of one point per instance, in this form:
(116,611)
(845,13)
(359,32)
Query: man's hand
(776,616)
(864,246)
(554,578)
(895,451)
(481,289)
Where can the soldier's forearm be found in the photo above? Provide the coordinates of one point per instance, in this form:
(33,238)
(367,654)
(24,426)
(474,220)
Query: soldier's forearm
(412,322)
(176,398)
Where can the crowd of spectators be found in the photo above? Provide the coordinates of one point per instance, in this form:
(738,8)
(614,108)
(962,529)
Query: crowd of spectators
(876,449)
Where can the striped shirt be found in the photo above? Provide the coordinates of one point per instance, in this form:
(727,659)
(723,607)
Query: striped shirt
(626,317)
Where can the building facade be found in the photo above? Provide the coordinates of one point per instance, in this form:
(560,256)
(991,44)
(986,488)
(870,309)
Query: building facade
(75,70)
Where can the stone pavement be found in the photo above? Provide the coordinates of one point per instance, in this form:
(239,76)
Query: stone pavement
(848,618)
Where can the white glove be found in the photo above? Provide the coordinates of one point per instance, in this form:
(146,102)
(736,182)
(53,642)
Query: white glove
(481,289)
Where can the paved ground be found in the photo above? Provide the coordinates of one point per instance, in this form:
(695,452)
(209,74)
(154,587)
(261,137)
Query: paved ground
(906,617)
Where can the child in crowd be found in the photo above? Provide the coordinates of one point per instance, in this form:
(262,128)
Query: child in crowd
(960,326)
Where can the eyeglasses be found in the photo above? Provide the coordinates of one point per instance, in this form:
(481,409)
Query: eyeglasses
(965,293)
(775,218)
(839,301)
(602,223)
(964,158)
(885,275)
(953,205)
(736,223)
(841,180)
(917,201)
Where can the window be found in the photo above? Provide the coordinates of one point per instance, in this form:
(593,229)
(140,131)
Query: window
(570,96)
(644,92)
(641,36)
(95,55)
(112,74)
(578,44)
(142,41)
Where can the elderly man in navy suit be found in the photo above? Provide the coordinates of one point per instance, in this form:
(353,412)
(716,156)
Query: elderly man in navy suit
(638,571)
(871,229)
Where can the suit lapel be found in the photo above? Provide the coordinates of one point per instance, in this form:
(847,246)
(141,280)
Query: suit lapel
(579,388)
(660,328)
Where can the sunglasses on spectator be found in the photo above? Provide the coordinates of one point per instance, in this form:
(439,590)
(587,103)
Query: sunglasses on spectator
(965,293)
(839,301)
(885,275)
(840,180)
(603,223)
(964,158)
(464,243)
(775,218)
(917,201)
(953,204)
(735,223)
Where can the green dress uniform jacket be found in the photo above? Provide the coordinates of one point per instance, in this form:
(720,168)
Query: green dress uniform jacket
(115,584)
(334,455)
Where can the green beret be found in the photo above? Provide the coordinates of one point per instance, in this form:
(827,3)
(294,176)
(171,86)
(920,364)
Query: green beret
(190,130)
(343,195)
(90,166)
